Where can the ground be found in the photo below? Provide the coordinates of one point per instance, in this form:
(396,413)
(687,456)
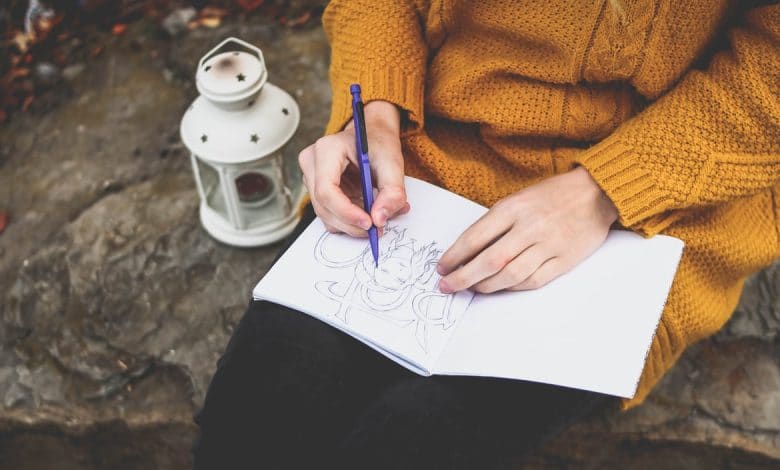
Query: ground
(116,304)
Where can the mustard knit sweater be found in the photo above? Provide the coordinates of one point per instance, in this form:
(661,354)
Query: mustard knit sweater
(673,107)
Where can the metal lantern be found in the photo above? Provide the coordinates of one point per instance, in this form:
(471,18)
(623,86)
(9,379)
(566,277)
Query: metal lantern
(236,132)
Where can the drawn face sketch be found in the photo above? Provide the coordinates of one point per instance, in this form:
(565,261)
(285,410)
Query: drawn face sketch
(393,273)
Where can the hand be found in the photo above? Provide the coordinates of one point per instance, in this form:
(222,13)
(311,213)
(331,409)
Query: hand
(331,175)
(530,237)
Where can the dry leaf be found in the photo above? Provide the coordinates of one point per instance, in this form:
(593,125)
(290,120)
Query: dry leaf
(3,220)
(208,12)
(211,22)
(27,102)
(18,72)
(249,5)
(22,41)
(298,21)
(119,29)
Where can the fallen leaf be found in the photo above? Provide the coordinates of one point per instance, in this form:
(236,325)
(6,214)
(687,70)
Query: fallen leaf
(27,102)
(299,20)
(213,11)
(210,22)
(17,72)
(119,29)
(249,5)
(3,220)
(22,41)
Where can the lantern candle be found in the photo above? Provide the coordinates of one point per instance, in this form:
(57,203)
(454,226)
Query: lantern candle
(253,188)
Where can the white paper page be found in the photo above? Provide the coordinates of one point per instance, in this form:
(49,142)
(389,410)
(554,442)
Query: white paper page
(589,329)
(397,306)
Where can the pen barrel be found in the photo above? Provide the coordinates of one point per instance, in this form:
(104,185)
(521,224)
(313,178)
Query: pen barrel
(361,144)
(366,186)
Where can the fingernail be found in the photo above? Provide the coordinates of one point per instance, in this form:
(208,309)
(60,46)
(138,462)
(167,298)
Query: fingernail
(444,288)
(440,269)
(365,225)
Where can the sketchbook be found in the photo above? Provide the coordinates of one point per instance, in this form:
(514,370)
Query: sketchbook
(589,329)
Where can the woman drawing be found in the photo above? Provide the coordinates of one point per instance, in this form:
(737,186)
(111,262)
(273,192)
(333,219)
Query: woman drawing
(565,118)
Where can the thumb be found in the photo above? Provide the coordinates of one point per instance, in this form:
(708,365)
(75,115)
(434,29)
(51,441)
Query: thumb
(391,198)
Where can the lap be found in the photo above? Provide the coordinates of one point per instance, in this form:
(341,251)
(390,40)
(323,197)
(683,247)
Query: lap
(291,379)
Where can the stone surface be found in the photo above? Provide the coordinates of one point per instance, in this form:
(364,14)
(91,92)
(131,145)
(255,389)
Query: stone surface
(116,305)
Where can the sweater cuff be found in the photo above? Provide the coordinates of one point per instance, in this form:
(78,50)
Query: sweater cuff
(400,87)
(642,206)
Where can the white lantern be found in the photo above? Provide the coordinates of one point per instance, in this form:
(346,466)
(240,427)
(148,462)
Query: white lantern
(236,132)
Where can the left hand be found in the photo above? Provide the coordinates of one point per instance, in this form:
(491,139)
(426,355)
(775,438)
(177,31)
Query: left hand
(530,237)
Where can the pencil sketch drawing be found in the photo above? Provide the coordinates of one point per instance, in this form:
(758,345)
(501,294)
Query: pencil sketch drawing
(401,290)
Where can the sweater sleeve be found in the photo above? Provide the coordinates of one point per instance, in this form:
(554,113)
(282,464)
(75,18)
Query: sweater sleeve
(713,138)
(378,44)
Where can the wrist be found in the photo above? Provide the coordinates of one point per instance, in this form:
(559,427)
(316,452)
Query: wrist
(604,204)
(383,115)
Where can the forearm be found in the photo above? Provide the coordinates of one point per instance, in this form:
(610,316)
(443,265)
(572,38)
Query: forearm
(712,139)
(378,44)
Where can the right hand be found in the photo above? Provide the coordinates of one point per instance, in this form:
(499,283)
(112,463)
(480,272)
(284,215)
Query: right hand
(331,175)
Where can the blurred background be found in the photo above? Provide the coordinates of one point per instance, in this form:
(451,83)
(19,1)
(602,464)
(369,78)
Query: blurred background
(116,304)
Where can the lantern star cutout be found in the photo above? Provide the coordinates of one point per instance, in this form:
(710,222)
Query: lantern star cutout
(240,77)
(285,111)
(254,138)
(204,138)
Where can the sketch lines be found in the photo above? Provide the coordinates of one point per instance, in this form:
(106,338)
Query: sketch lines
(402,290)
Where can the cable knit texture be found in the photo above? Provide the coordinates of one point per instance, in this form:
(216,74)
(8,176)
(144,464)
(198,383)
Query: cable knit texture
(673,107)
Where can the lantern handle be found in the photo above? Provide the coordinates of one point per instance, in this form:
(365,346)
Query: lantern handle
(242,46)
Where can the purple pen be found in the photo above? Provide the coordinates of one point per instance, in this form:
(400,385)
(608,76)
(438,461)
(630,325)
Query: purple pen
(361,144)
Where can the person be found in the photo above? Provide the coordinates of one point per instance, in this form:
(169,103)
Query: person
(566,119)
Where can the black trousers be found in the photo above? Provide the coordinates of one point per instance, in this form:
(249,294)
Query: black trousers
(293,392)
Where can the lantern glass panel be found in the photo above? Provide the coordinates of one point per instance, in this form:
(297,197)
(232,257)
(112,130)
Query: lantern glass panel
(293,176)
(263,196)
(213,194)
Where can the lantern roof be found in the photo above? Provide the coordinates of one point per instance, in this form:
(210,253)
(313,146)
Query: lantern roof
(243,130)
(230,75)
(232,70)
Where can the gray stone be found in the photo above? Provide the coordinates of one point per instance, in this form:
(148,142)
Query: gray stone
(176,21)
(46,73)
(72,71)
(116,304)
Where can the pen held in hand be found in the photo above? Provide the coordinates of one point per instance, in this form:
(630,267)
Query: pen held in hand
(361,145)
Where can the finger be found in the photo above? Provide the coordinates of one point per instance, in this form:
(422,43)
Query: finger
(306,163)
(516,271)
(387,167)
(390,201)
(334,225)
(487,263)
(488,228)
(328,168)
(548,271)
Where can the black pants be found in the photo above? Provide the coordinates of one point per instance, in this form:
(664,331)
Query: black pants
(293,392)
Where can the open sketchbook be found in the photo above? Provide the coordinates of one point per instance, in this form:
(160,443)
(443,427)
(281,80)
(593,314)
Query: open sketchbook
(589,329)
